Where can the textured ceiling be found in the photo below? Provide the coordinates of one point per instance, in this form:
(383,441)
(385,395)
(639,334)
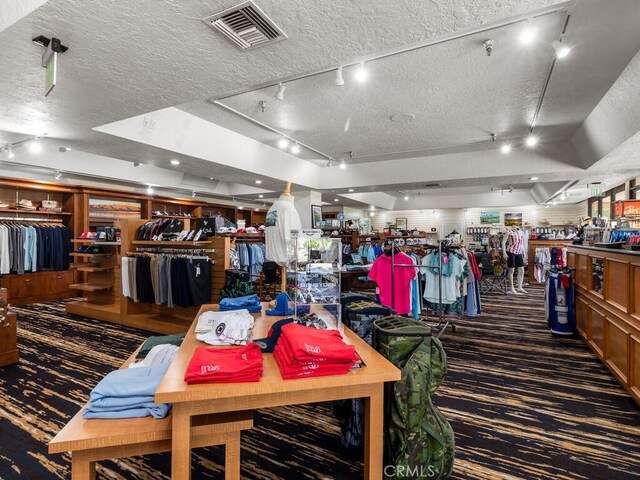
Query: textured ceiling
(130,58)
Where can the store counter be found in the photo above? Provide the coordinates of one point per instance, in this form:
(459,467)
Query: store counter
(607,299)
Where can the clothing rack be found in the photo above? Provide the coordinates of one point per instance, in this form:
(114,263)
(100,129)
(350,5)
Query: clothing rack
(173,251)
(443,321)
(31,220)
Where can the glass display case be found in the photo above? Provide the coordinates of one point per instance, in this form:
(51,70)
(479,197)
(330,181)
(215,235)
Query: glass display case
(313,277)
(597,275)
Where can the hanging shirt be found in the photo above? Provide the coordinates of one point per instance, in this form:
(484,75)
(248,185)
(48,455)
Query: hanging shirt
(282,217)
(402,276)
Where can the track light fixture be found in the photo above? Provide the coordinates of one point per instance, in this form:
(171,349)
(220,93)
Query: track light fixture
(510,188)
(193,194)
(406,198)
(561,48)
(175,162)
(339,78)
(295,149)
(260,196)
(149,190)
(9,150)
(531,140)
(361,73)
(506,148)
(283,143)
(343,164)
(58,175)
(488,47)
(263,105)
(280,93)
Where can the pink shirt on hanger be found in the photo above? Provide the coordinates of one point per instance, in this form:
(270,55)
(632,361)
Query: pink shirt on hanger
(381,274)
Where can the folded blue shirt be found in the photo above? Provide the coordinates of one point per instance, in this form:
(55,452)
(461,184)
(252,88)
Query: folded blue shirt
(128,393)
(248,302)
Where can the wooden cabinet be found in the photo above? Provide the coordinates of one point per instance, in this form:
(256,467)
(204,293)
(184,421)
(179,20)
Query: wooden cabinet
(8,340)
(38,286)
(610,321)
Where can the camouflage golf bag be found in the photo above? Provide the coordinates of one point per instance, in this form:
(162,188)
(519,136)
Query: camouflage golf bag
(419,441)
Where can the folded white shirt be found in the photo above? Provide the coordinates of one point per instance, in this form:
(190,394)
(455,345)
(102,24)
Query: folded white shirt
(158,355)
(208,319)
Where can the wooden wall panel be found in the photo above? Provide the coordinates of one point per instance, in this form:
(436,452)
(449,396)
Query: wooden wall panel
(634,308)
(616,283)
(634,373)
(596,330)
(617,349)
(581,266)
(582,318)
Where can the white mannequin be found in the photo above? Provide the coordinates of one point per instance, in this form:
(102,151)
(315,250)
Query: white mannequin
(516,249)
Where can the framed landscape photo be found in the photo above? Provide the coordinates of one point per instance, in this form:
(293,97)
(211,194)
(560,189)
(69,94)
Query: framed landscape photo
(401,223)
(487,218)
(513,219)
(316,216)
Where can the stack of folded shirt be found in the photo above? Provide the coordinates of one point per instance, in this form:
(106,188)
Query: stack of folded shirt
(224,328)
(250,302)
(225,365)
(308,352)
(151,342)
(129,392)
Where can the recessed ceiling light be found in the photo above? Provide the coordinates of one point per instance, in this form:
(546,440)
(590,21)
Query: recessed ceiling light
(35,146)
(528,35)
(406,198)
(175,162)
(295,148)
(258,182)
(10,153)
(343,165)
(149,190)
(506,148)
(351,189)
(58,175)
(283,143)
(240,208)
(531,140)
(371,214)
(402,117)
(256,209)
(280,93)
(336,199)
(361,73)
(260,196)
(193,194)
(533,178)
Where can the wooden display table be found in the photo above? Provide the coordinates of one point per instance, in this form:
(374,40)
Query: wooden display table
(607,294)
(273,391)
(8,340)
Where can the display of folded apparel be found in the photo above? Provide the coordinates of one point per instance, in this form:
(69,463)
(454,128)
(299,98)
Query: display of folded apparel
(90,249)
(25,204)
(309,352)
(151,342)
(248,302)
(225,328)
(4,205)
(159,354)
(128,393)
(225,365)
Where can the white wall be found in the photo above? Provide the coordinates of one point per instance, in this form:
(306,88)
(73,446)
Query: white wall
(447,219)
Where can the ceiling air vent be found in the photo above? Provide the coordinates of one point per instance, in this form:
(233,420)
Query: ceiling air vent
(246,26)
(431,185)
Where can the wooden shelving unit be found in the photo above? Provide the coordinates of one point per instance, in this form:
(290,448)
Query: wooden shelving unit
(89,287)
(170,243)
(38,212)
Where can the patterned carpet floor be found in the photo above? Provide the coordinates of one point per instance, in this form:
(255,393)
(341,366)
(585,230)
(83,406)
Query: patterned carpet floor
(523,405)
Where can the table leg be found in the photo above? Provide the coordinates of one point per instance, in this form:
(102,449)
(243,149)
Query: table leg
(232,458)
(181,443)
(373,446)
(82,468)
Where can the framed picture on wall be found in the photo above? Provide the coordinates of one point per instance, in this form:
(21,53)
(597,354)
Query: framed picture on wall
(513,219)
(487,218)
(401,223)
(316,216)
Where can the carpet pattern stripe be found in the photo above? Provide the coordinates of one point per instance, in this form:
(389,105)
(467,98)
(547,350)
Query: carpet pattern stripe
(523,405)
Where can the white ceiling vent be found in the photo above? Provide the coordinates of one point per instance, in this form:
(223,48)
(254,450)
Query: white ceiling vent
(246,26)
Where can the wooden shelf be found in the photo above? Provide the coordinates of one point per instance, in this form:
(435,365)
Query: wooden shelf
(180,217)
(167,243)
(34,212)
(89,287)
(91,267)
(79,254)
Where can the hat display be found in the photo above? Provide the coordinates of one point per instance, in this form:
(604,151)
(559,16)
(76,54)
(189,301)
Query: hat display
(282,305)
(268,343)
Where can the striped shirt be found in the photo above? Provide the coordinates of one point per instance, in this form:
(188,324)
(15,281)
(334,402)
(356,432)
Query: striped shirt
(515,242)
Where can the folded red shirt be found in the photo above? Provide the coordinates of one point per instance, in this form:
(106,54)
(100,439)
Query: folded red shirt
(308,343)
(308,369)
(287,353)
(225,365)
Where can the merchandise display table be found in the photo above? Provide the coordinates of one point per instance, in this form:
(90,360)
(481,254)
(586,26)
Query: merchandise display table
(272,391)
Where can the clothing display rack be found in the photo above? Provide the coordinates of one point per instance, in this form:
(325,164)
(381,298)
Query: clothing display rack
(443,320)
(156,318)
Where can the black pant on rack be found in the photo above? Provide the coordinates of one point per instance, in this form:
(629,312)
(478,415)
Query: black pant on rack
(144,287)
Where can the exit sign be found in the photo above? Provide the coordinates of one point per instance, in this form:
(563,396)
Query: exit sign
(597,192)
